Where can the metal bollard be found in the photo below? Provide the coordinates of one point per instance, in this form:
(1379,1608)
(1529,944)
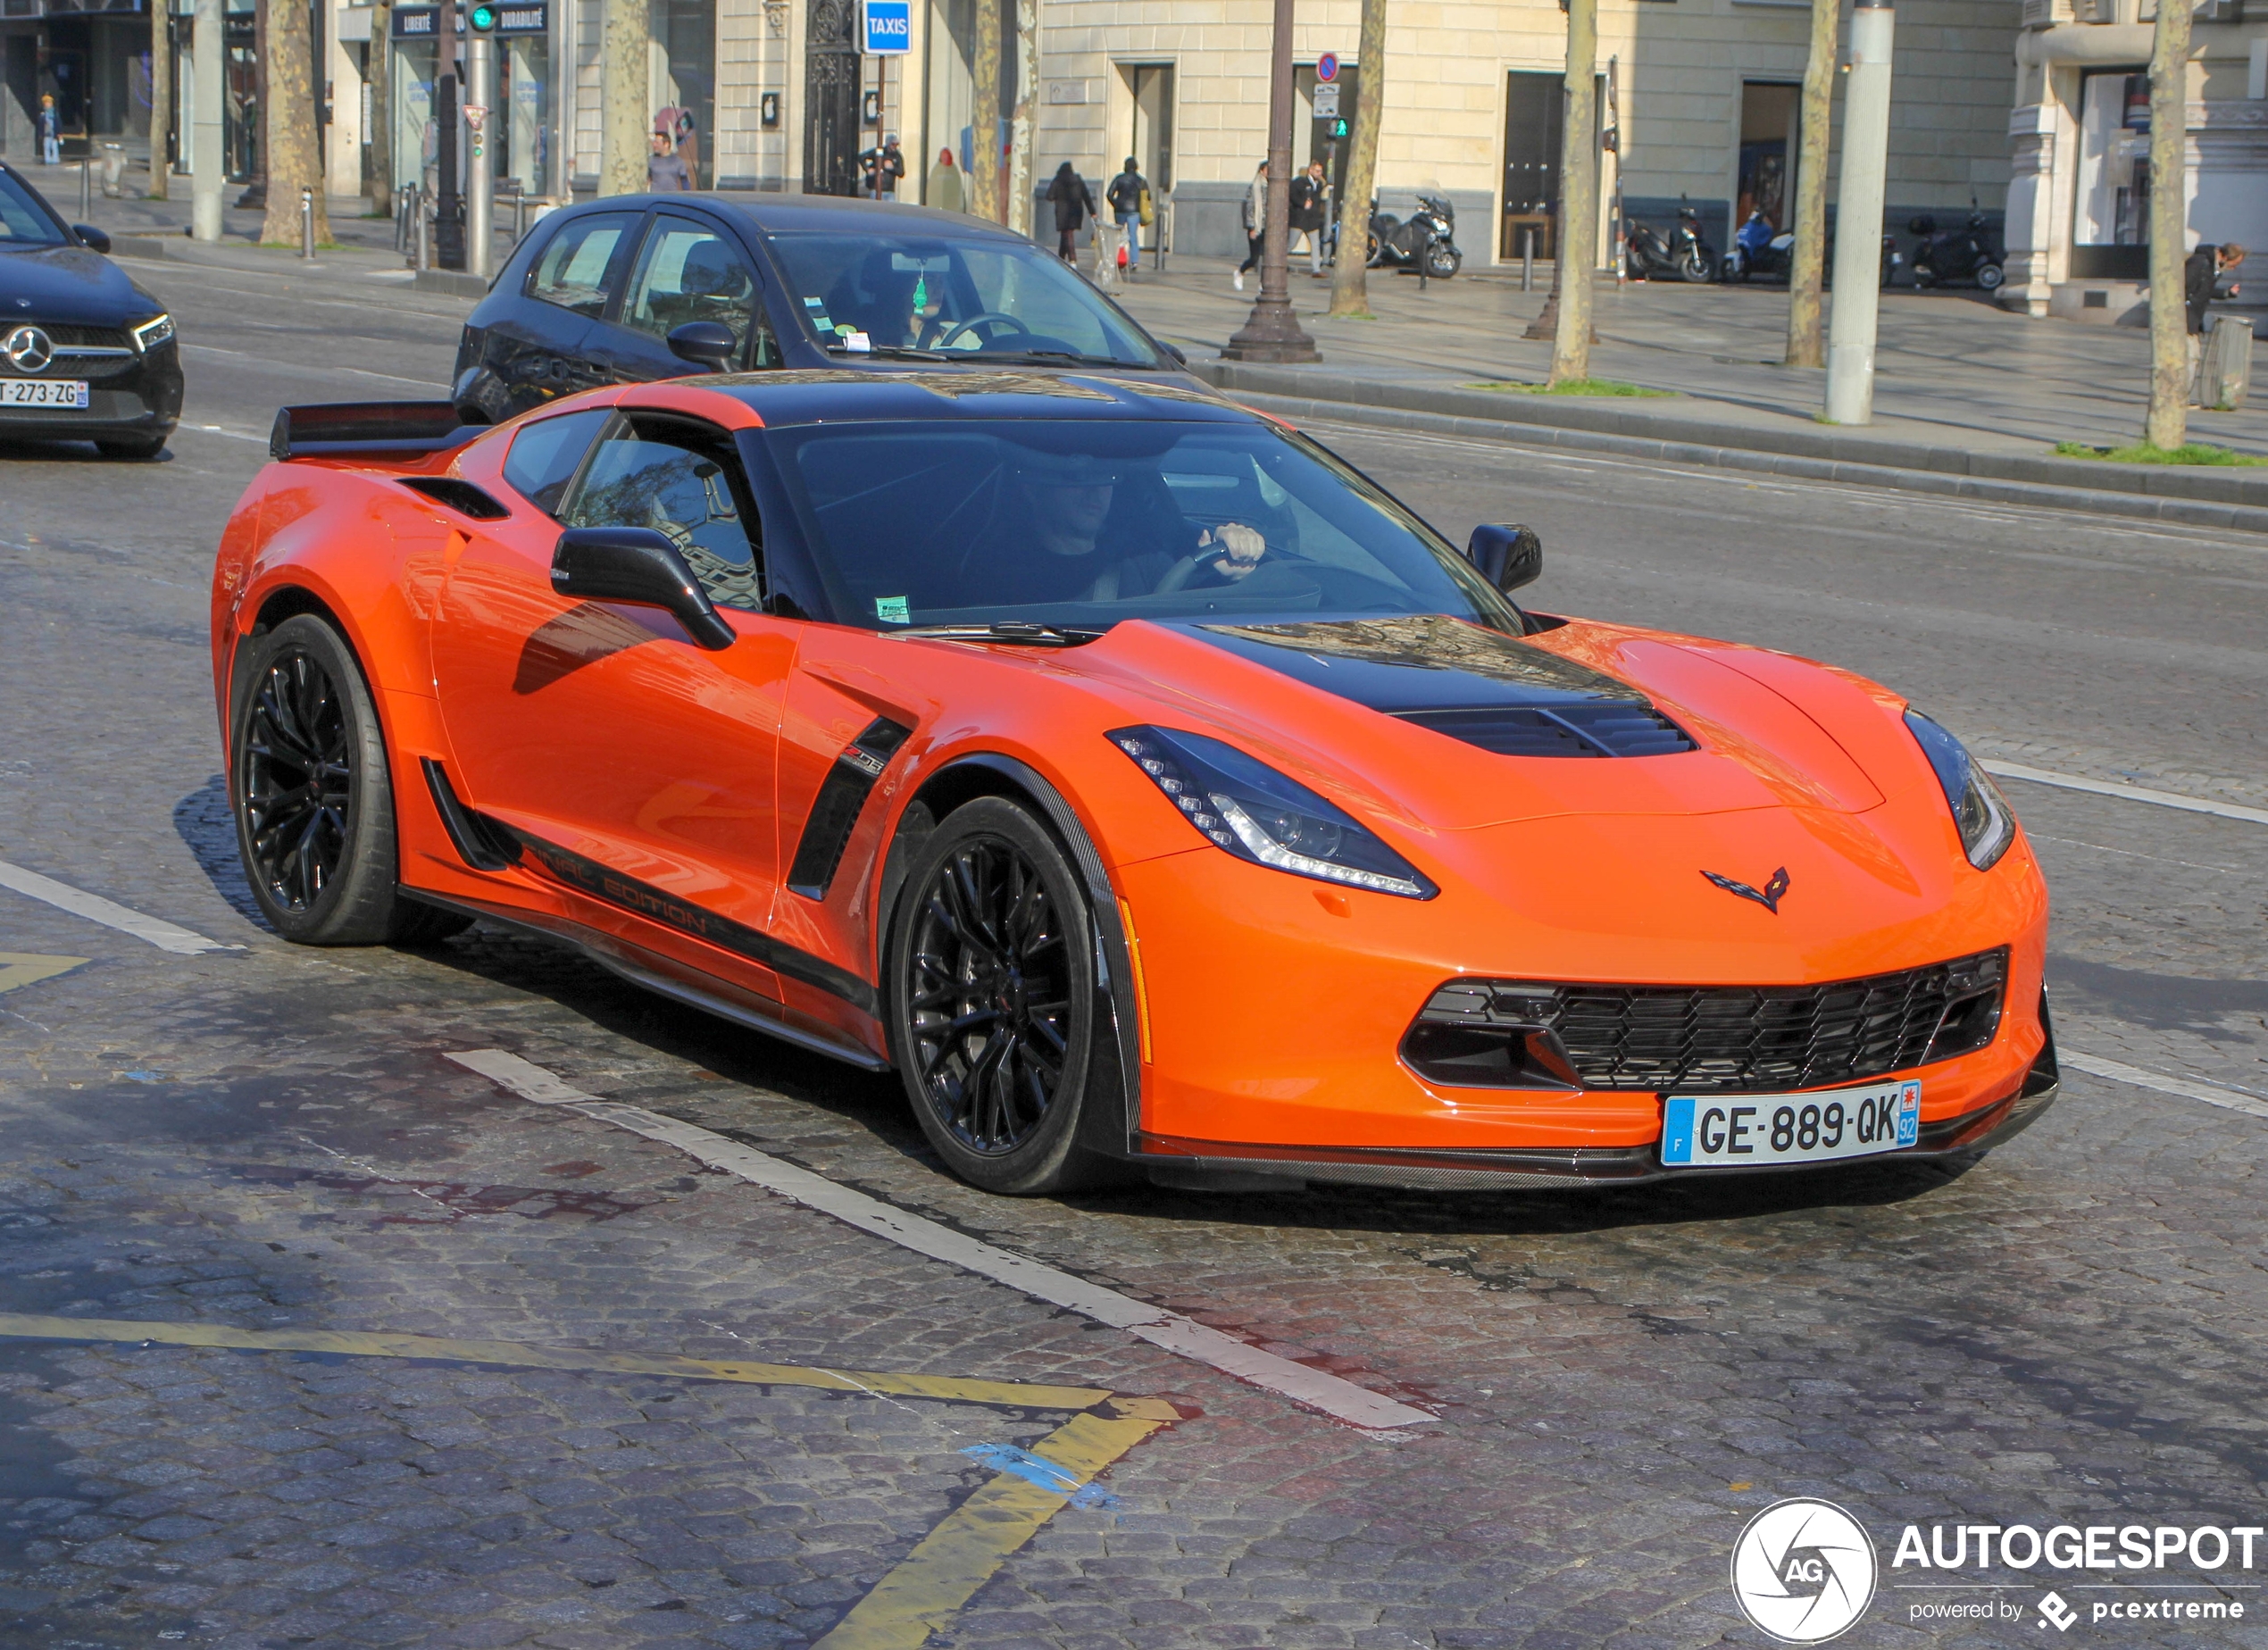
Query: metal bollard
(424,234)
(1528,255)
(86,188)
(519,216)
(307,224)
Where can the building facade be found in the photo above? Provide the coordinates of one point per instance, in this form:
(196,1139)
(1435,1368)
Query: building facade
(91,56)
(1701,96)
(2079,203)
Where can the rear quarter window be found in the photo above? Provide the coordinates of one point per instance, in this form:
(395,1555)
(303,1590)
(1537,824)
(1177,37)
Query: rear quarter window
(545,456)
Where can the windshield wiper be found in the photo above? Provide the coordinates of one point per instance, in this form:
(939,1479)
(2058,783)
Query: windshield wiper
(1006,631)
(1073,356)
(899,352)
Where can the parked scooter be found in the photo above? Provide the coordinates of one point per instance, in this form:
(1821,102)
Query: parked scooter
(1759,250)
(1427,240)
(1968,254)
(1682,255)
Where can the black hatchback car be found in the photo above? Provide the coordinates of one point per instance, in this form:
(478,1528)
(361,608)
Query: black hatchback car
(656,286)
(85,354)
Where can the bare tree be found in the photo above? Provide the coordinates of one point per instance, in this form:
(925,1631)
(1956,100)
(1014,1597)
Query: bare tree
(1017,212)
(161,96)
(625,121)
(1349,285)
(294,161)
(1806,344)
(380,156)
(2169,419)
(1571,353)
(984,124)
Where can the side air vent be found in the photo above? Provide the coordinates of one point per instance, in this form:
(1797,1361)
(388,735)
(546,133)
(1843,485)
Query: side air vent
(1606,727)
(842,796)
(480,842)
(462,497)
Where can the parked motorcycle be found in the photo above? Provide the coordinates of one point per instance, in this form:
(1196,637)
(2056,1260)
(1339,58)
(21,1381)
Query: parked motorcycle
(1427,240)
(1967,254)
(1682,255)
(1759,250)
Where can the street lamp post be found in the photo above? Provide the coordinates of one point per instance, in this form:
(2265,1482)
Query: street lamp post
(1858,230)
(1271,332)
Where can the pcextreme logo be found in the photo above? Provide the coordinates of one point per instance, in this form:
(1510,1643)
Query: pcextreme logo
(1802,1571)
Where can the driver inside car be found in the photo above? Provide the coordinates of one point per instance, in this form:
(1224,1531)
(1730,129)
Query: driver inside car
(1070,517)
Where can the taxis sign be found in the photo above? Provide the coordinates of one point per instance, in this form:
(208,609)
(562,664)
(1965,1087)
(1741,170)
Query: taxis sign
(885,27)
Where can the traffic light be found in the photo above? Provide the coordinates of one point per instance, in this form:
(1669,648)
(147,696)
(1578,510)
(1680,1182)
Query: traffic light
(1338,129)
(481,19)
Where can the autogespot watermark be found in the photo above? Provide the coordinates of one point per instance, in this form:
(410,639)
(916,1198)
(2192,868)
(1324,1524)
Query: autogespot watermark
(1804,1571)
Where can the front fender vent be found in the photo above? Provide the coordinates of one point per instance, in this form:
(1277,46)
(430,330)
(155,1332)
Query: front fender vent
(1602,727)
(841,799)
(462,497)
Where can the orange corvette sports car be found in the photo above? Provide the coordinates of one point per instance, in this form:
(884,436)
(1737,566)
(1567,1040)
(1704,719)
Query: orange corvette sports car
(1147,787)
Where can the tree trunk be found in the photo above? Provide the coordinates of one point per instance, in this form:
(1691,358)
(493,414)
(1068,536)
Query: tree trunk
(160,96)
(984,124)
(1017,214)
(1806,344)
(2169,419)
(380,181)
(1349,282)
(626,47)
(295,160)
(1570,354)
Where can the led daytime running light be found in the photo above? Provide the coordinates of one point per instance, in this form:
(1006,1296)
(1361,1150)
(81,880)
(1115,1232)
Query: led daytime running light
(153,332)
(1268,850)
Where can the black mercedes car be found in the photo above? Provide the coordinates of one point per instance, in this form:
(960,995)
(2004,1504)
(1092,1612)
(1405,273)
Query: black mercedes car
(656,286)
(85,354)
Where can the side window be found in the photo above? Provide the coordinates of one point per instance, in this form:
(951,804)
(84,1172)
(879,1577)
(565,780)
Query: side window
(684,480)
(687,271)
(544,456)
(571,272)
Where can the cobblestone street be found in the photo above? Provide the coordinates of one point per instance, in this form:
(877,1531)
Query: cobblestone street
(274,1140)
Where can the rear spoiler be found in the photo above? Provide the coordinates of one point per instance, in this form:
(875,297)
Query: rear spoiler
(369,429)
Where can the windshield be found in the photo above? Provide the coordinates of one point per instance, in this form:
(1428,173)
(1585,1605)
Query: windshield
(998,299)
(23,221)
(1081,523)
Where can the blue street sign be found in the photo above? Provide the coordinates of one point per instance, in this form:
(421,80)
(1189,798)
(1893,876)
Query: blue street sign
(1327,67)
(885,27)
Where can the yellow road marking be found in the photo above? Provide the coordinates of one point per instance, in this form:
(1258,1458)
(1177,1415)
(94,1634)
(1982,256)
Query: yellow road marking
(927,1589)
(1018,1395)
(25,968)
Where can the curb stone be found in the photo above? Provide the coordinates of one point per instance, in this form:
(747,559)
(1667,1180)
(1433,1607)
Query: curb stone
(2187,513)
(2244,488)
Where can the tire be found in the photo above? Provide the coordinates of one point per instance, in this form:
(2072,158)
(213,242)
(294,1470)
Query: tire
(1989,276)
(992,1004)
(131,446)
(323,867)
(1442,262)
(1694,268)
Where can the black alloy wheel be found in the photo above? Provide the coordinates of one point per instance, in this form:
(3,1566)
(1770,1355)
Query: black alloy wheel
(313,805)
(993,998)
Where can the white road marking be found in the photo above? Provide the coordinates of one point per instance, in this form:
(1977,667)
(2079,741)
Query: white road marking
(1171,1330)
(94,908)
(234,434)
(2128,793)
(305,372)
(2186,1087)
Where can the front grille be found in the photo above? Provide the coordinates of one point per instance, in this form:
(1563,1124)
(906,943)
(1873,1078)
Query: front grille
(87,337)
(1604,728)
(1733,1039)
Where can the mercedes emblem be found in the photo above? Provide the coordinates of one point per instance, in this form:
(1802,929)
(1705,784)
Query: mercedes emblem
(29,349)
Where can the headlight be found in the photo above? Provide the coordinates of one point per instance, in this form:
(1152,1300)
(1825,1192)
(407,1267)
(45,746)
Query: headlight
(1252,811)
(152,333)
(1979,809)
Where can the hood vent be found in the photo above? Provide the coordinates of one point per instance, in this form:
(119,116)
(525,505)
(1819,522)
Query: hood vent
(1610,729)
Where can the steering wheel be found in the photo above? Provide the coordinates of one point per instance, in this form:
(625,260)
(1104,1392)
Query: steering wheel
(1007,323)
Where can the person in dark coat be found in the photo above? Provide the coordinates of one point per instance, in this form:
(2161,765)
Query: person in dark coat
(1310,203)
(2201,273)
(1074,203)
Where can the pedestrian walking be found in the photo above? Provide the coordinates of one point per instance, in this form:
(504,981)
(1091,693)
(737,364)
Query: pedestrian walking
(2202,273)
(1309,206)
(946,189)
(51,148)
(665,173)
(1256,221)
(1074,203)
(1128,195)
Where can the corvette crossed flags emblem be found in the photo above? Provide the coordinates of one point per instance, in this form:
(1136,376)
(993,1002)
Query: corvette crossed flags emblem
(1768,897)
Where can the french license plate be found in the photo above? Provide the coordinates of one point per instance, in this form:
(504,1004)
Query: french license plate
(43,392)
(1740,1132)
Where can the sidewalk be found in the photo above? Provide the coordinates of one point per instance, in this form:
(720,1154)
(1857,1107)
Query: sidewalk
(1963,388)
